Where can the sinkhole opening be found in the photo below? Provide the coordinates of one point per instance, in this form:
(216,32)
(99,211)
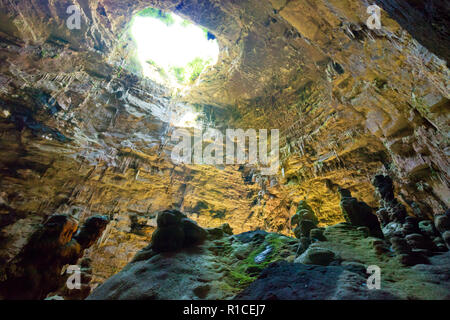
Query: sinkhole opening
(172,50)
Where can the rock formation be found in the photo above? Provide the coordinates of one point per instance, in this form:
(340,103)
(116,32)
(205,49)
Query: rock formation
(175,231)
(304,220)
(36,271)
(413,238)
(358,213)
(84,133)
(219,265)
(260,265)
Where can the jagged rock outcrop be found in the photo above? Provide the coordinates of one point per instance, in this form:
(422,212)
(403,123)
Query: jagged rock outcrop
(216,269)
(36,271)
(391,209)
(175,231)
(260,265)
(316,256)
(442,223)
(310,283)
(358,213)
(307,231)
(411,237)
(304,220)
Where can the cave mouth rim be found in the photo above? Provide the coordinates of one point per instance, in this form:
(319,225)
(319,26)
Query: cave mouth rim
(180,62)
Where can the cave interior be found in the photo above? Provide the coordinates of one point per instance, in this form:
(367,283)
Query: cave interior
(94,205)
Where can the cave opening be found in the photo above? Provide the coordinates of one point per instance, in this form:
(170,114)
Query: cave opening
(171,50)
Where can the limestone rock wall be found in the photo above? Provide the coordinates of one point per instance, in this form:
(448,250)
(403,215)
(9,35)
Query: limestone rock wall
(82,133)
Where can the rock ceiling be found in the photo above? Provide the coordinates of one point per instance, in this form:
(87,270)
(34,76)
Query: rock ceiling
(80,134)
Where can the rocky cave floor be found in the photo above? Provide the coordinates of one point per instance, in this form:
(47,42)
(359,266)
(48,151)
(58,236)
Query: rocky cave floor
(259,265)
(185,261)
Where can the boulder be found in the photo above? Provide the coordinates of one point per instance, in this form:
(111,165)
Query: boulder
(297,232)
(304,211)
(384,187)
(418,241)
(393,229)
(442,223)
(400,245)
(303,245)
(168,238)
(226,229)
(306,226)
(411,226)
(317,256)
(413,258)
(169,218)
(383,216)
(176,231)
(396,211)
(426,227)
(446,238)
(359,213)
(317,235)
(355,267)
(291,281)
(193,234)
(440,244)
(219,232)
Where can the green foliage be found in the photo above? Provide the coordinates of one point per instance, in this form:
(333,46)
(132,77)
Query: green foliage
(193,69)
(182,74)
(239,275)
(190,73)
(185,23)
(196,66)
(179,73)
(158,69)
(205,31)
(158,14)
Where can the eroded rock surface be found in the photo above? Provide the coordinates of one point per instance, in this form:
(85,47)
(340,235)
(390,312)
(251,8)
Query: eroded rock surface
(216,269)
(259,265)
(83,133)
(36,271)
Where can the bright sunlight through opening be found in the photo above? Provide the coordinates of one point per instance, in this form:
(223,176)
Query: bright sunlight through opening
(172,50)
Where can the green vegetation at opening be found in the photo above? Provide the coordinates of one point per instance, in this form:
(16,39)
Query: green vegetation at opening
(184,75)
(165,17)
(196,66)
(174,52)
